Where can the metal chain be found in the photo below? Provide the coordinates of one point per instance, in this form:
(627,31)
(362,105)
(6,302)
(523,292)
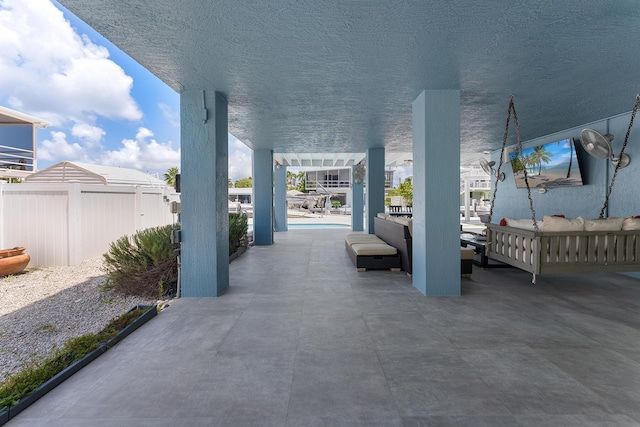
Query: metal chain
(526,177)
(504,143)
(512,108)
(624,145)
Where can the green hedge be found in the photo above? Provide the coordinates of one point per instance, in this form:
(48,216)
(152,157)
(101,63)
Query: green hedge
(34,375)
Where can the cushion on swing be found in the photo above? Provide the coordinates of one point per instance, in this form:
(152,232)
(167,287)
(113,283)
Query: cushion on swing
(524,224)
(609,224)
(631,223)
(554,223)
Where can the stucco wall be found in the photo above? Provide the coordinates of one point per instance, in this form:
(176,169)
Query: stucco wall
(586,200)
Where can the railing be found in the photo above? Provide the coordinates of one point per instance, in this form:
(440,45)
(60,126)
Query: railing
(16,158)
(328,183)
(476,185)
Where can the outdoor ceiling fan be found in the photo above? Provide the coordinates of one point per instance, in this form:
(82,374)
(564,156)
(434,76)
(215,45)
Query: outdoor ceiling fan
(599,146)
(487,167)
(359,173)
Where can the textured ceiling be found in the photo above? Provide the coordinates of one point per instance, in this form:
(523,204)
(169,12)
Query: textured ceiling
(306,76)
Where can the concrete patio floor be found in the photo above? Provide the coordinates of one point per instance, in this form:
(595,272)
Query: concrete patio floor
(302,339)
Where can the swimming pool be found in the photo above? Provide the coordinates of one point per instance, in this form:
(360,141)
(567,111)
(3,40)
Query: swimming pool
(315,226)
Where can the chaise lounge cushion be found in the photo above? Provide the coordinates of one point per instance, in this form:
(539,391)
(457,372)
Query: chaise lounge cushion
(466,253)
(373,249)
(362,238)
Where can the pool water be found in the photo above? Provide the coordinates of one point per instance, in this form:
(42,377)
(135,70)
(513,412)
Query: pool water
(316,226)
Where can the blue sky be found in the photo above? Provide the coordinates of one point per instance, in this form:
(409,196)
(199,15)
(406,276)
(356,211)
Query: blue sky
(103,106)
(559,153)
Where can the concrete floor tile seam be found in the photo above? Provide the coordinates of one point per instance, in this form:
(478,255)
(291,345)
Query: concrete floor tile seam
(625,376)
(575,420)
(609,327)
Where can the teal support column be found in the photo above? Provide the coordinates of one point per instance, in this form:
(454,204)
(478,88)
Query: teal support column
(263,197)
(436,188)
(357,202)
(375,185)
(280,195)
(204,194)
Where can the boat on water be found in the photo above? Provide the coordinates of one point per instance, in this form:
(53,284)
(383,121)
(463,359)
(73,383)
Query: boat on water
(13,260)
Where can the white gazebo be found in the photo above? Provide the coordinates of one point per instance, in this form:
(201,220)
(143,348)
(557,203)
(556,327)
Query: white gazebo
(86,173)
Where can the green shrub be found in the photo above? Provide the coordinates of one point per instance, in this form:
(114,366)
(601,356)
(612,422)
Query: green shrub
(143,264)
(238,226)
(37,373)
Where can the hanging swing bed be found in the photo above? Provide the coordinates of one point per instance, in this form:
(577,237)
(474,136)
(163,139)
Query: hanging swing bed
(606,245)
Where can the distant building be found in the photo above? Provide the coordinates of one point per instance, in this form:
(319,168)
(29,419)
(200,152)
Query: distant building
(335,181)
(18,143)
(338,182)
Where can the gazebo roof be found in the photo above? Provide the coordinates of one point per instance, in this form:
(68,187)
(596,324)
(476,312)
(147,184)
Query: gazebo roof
(87,173)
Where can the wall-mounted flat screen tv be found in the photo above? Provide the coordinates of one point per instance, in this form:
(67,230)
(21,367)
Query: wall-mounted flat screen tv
(554,164)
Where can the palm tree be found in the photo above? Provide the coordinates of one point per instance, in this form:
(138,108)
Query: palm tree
(301,186)
(540,155)
(291,179)
(518,163)
(570,158)
(170,175)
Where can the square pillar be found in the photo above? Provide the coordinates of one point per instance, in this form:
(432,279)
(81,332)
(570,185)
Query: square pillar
(375,185)
(357,199)
(263,197)
(280,195)
(204,193)
(436,188)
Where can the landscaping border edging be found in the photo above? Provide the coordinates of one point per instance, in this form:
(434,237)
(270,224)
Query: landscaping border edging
(7,413)
(140,320)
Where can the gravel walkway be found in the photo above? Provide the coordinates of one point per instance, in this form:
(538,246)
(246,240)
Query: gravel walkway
(41,309)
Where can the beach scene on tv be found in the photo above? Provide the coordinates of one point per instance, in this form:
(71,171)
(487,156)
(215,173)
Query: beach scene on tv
(554,164)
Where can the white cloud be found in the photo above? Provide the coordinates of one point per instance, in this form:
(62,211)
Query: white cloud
(239,164)
(50,71)
(91,135)
(143,153)
(239,159)
(58,149)
(401,173)
(143,133)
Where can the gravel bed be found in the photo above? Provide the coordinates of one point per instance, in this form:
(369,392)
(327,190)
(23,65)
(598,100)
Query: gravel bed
(41,309)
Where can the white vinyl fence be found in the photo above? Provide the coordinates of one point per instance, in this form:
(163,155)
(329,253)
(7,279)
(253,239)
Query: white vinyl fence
(64,224)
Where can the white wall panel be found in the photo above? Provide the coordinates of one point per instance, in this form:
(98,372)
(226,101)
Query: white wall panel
(105,218)
(62,224)
(153,210)
(37,220)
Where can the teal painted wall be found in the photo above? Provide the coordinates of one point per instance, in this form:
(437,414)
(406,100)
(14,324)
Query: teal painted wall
(375,186)
(280,198)
(263,197)
(357,203)
(586,200)
(436,181)
(204,204)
